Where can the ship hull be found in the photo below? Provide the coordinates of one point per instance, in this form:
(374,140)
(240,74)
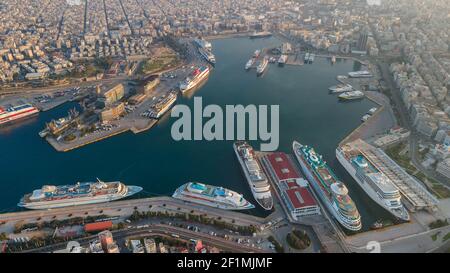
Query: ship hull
(195,83)
(195,198)
(19,116)
(367,189)
(131,190)
(259,197)
(306,168)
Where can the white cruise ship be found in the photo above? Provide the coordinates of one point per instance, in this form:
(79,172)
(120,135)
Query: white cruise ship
(376,184)
(163,105)
(207,54)
(332,192)
(50,197)
(17,112)
(212,196)
(197,76)
(254,174)
(360,74)
(262,66)
(202,43)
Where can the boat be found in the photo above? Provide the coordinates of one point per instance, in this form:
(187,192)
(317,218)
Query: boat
(272,60)
(311,58)
(13,113)
(333,59)
(332,192)
(262,66)
(351,95)
(50,197)
(341,77)
(374,182)
(256,53)
(282,60)
(340,88)
(306,57)
(207,55)
(372,111)
(261,34)
(256,179)
(194,79)
(212,196)
(163,105)
(249,64)
(360,74)
(202,43)
(365,117)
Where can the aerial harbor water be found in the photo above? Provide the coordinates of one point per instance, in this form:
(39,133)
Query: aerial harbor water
(154,161)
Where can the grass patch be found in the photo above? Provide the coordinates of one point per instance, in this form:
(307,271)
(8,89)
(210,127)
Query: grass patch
(298,239)
(159,63)
(446,237)
(434,236)
(438,224)
(278,247)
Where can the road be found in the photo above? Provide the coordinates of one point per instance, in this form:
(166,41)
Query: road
(405,121)
(162,230)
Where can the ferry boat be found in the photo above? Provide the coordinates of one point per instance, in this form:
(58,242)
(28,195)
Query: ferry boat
(249,64)
(254,174)
(306,57)
(351,95)
(256,53)
(360,74)
(262,66)
(375,183)
(207,55)
(201,43)
(261,34)
(163,105)
(197,76)
(340,88)
(50,197)
(212,196)
(282,60)
(16,112)
(311,58)
(332,192)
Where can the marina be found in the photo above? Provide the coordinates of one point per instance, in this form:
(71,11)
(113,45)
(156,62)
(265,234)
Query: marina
(139,151)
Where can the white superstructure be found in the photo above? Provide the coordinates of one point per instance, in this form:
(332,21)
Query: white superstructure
(212,196)
(375,183)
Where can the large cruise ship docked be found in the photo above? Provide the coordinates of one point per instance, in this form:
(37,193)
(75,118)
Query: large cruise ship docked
(50,197)
(332,192)
(207,55)
(16,112)
(203,43)
(262,66)
(376,184)
(254,174)
(163,105)
(212,196)
(194,79)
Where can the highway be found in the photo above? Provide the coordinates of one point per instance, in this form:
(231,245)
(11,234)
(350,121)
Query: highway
(161,230)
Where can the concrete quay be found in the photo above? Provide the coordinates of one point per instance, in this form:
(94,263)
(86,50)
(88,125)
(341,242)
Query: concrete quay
(123,209)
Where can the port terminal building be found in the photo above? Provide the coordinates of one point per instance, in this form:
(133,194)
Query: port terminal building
(293,188)
(417,197)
